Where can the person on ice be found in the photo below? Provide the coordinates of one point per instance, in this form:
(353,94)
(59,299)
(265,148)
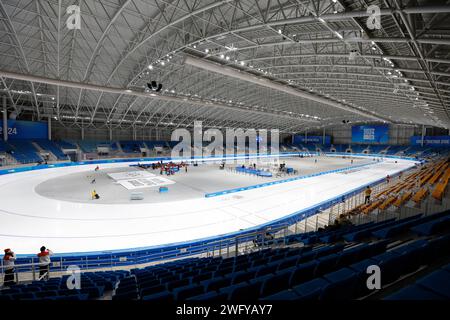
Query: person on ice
(95,195)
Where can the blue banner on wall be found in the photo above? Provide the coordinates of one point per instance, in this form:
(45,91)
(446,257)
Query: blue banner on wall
(312,139)
(19,130)
(431,141)
(370,134)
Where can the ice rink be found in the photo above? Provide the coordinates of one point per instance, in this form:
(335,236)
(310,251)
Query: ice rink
(205,178)
(52,207)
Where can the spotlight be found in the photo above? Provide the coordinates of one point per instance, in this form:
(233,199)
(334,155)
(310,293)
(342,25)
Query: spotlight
(153,86)
(352,55)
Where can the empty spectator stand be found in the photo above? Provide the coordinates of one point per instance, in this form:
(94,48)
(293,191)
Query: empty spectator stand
(331,267)
(52,147)
(23,151)
(65,144)
(132,146)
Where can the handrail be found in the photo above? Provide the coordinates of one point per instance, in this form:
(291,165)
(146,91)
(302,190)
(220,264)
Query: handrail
(59,264)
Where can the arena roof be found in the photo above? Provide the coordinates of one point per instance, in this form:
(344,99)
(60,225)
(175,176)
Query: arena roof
(287,64)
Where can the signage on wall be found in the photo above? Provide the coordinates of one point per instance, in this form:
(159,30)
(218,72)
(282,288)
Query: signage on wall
(370,134)
(431,141)
(20,130)
(312,139)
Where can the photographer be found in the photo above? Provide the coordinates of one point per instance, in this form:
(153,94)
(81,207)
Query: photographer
(8,264)
(44,263)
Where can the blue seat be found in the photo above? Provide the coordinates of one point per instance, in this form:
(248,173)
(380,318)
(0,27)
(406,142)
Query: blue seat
(209,296)
(148,283)
(282,296)
(437,282)
(248,292)
(394,230)
(202,277)
(303,273)
(216,284)
(414,292)
(269,269)
(447,267)
(352,255)
(241,265)
(432,227)
(311,289)
(93,292)
(176,284)
(182,293)
(162,296)
(21,296)
(342,284)
(152,290)
(326,264)
(306,257)
(277,283)
(242,277)
(45,294)
(392,265)
(130,295)
(295,252)
(288,263)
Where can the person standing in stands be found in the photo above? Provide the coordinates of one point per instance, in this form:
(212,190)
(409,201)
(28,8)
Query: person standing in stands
(367,193)
(8,263)
(44,263)
(388,179)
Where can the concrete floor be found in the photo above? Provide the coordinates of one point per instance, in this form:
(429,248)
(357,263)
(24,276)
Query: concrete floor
(206,178)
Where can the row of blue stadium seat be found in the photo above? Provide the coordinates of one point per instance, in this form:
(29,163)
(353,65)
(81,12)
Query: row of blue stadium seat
(218,278)
(52,147)
(434,286)
(93,285)
(23,151)
(329,276)
(325,271)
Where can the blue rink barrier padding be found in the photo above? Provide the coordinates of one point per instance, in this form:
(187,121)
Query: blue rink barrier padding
(133,256)
(262,185)
(260,173)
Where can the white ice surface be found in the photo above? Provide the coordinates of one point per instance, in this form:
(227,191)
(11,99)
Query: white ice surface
(28,220)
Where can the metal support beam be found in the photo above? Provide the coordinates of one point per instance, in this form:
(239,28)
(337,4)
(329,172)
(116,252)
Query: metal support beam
(230,72)
(49,128)
(423,135)
(121,91)
(5,120)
